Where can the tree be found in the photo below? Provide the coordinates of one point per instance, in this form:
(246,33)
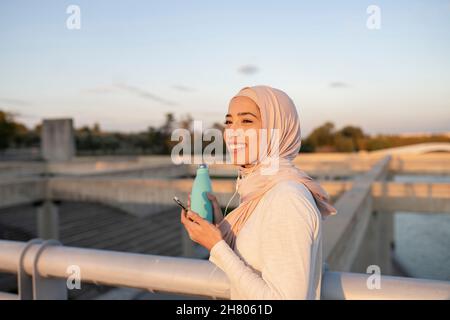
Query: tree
(186,122)
(8,129)
(343,143)
(321,136)
(96,128)
(354,134)
(168,126)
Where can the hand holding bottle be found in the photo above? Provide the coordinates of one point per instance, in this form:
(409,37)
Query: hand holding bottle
(218,215)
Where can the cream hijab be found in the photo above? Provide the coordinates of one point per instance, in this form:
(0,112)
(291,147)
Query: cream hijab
(277,112)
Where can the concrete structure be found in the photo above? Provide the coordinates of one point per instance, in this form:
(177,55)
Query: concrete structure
(417,148)
(57,140)
(48,220)
(360,236)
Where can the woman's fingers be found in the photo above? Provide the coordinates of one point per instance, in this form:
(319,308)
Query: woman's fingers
(213,200)
(218,216)
(183,216)
(200,230)
(195,217)
(192,228)
(190,216)
(187,225)
(211,196)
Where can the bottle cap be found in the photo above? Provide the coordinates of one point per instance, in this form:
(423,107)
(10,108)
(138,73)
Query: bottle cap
(203,166)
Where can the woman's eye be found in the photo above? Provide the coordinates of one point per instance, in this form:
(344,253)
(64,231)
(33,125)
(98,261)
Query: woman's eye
(247,121)
(227,122)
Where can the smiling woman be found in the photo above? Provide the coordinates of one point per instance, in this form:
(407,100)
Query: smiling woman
(270,246)
(243,123)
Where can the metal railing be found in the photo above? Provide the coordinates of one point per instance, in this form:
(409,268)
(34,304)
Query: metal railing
(43,269)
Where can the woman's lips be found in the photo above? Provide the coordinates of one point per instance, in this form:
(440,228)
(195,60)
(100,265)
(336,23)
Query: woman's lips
(236,146)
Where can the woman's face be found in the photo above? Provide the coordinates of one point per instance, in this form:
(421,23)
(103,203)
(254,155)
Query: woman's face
(242,124)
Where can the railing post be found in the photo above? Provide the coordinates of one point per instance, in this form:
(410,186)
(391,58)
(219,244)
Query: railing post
(36,287)
(24,280)
(47,288)
(48,220)
(385,227)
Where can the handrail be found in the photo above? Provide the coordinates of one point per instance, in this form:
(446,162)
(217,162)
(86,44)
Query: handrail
(191,276)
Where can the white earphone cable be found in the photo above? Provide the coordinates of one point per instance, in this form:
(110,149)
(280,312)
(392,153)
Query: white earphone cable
(237,187)
(236,190)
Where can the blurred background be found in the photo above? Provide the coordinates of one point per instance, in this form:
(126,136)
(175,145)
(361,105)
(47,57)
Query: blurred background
(90,92)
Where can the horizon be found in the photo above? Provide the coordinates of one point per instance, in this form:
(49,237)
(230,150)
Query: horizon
(304,135)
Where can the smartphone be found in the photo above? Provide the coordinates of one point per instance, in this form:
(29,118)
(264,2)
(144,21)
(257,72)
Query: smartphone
(178,202)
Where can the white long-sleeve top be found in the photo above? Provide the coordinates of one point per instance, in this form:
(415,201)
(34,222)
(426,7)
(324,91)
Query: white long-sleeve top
(278,252)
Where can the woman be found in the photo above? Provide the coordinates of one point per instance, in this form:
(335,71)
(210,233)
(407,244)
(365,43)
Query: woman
(270,246)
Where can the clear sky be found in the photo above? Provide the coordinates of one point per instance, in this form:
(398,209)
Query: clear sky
(133,61)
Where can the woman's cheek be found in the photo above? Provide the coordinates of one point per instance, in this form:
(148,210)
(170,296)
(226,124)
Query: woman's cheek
(251,150)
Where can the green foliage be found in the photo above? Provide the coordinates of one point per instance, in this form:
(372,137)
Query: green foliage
(157,140)
(352,139)
(322,136)
(7,129)
(153,141)
(14,134)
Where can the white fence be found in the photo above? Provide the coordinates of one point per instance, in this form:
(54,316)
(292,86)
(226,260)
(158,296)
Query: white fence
(44,269)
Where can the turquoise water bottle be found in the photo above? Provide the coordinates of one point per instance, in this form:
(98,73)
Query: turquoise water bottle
(199,199)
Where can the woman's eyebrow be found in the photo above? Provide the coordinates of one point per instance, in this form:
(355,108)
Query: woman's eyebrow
(246,113)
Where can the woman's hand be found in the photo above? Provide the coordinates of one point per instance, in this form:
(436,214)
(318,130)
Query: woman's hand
(218,215)
(199,229)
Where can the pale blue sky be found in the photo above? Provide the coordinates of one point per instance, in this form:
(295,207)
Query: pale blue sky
(132,61)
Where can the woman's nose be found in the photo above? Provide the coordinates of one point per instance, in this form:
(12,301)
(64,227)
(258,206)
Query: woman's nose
(234,126)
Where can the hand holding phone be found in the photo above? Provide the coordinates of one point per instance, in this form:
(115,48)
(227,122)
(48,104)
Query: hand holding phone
(181,205)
